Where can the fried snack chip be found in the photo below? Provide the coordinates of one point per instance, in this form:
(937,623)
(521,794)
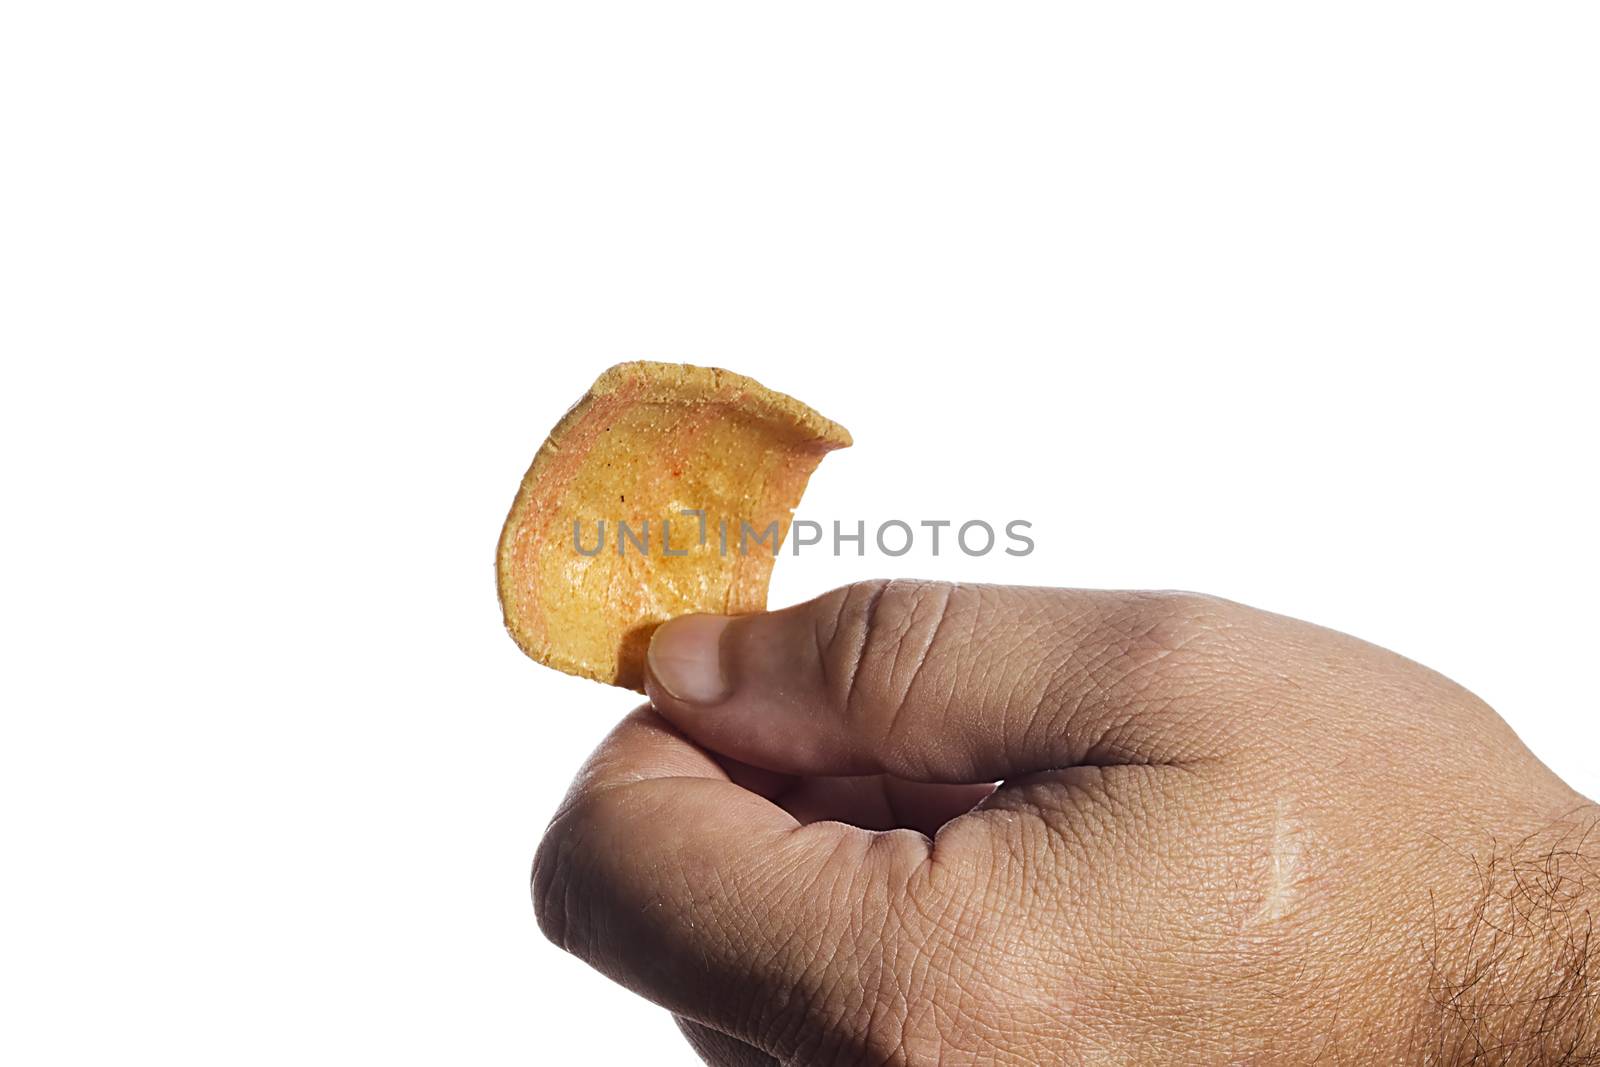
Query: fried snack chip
(598,549)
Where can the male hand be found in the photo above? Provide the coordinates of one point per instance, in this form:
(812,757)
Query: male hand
(1222,836)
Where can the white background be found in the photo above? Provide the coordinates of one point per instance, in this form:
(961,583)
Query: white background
(1296,304)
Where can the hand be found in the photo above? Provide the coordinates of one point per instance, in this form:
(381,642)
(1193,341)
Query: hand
(1223,836)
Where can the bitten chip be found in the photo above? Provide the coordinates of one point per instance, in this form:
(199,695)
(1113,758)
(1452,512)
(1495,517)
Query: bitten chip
(589,561)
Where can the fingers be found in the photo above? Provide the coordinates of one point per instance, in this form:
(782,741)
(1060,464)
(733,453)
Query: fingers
(952,683)
(703,896)
(720,1050)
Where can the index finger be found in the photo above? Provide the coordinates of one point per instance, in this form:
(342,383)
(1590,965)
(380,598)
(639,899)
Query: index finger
(707,898)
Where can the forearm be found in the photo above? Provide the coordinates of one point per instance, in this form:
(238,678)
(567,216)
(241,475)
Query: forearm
(1516,979)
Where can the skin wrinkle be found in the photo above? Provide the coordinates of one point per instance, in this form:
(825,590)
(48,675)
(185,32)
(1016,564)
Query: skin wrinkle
(874,592)
(920,653)
(923,947)
(903,691)
(574,881)
(954,1021)
(821,645)
(902,992)
(881,1024)
(1023,679)
(847,999)
(1093,688)
(1071,808)
(1242,874)
(959,924)
(880,665)
(1050,716)
(717,1047)
(815,959)
(884,1010)
(1142,675)
(833,619)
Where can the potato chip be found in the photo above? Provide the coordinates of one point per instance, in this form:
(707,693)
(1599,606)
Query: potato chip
(665,491)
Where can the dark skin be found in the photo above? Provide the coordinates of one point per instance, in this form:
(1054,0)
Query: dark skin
(1223,836)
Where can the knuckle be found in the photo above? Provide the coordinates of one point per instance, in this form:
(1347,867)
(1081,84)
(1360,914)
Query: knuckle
(880,640)
(552,885)
(564,874)
(1156,625)
(1167,673)
(1130,661)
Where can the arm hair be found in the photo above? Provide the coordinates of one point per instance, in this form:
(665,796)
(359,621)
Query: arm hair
(1516,983)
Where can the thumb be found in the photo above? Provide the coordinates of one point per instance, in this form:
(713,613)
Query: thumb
(950,683)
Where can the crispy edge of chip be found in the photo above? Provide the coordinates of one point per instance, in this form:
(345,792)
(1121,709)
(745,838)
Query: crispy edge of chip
(546,481)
